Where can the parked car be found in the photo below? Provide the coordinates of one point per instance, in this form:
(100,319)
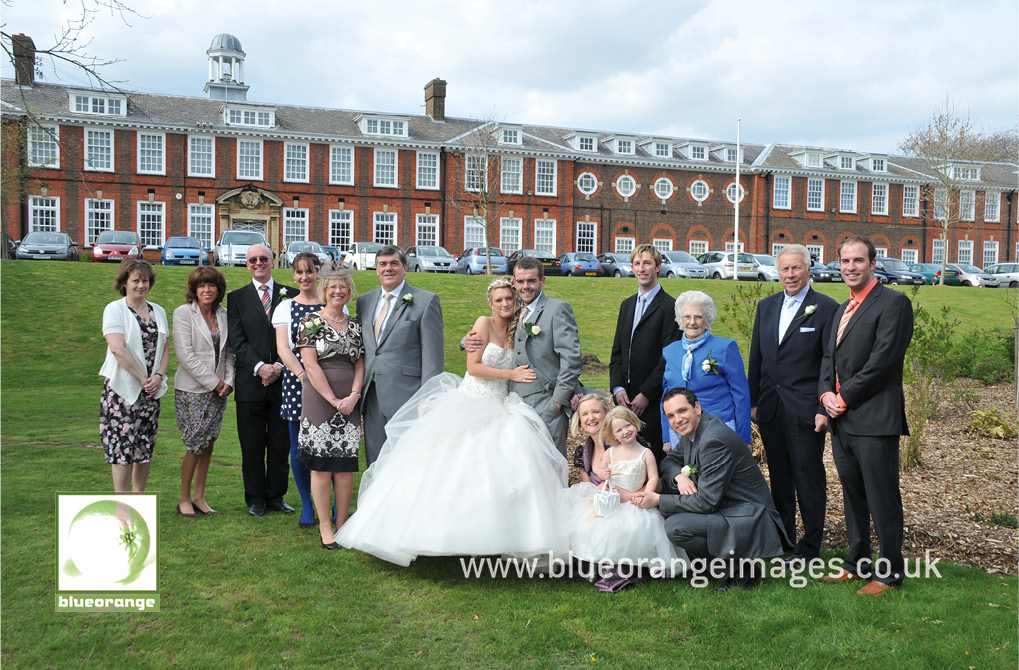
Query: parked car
(182,251)
(681,264)
(1007,274)
(551,264)
(897,272)
(616,265)
(232,247)
(47,246)
(430,259)
(581,264)
(719,265)
(766,269)
(474,260)
(334,252)
(291,250)
(362,255)
(932,273)
(116,245)
(823,273)
(971,275)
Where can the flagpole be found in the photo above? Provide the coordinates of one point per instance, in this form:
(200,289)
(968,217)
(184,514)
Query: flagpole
(735,265)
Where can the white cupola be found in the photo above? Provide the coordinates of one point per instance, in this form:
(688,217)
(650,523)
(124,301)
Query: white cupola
(226,69)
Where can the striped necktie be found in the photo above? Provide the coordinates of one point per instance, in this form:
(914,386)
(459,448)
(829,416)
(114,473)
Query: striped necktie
(266,300)
(844,321)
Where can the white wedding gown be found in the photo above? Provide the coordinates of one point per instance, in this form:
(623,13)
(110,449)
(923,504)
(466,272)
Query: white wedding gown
(467,469)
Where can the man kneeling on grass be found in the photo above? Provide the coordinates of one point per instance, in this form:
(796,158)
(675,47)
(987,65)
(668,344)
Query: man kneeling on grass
(715,501)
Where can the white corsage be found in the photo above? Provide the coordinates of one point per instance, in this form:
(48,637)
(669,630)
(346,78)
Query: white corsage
(710,365)
(532,329)
(407,299)
(283,294)
(808,311)
(689,470)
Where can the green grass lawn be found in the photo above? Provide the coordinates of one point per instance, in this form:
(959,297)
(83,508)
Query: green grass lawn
(239,592)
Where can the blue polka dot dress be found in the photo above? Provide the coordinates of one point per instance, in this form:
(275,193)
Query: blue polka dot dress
(291,409)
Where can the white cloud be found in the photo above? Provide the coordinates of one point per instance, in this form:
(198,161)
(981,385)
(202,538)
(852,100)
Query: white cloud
(852,75)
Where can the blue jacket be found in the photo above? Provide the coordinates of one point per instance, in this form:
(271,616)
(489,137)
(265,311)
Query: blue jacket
(725,395)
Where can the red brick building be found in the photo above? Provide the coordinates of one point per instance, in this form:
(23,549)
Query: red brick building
(84,160)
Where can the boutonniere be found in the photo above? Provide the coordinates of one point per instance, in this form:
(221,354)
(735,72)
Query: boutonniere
(710,365)
(313,326)
(407,299)
(807,312)
(282,294)
(689,470)
(532,329)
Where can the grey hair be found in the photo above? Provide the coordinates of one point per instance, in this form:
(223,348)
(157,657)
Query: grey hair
(392,250)
(795,249)
(696,298)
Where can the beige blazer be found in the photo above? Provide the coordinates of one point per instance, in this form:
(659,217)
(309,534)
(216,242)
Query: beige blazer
(192,340)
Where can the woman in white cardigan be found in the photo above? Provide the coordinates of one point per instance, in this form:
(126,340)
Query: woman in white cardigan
(204,379)
(135,370)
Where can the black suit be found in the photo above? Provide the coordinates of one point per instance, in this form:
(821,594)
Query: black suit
(263,433)
(783,380)
(865,368)
(642,357)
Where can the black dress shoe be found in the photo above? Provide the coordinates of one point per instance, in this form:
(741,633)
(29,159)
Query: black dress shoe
(332,546)
(256,509)
(281,506)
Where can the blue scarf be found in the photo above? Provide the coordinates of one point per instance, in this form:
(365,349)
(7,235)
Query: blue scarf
(690,345)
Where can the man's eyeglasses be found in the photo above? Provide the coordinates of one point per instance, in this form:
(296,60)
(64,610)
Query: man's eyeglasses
(258,259)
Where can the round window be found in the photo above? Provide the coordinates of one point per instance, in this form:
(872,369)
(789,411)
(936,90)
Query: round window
(626,186)
(663,188)
(699,190)
(730,192)
(587,183)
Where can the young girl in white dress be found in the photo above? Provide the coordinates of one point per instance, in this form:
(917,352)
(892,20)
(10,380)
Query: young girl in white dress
(467,468)
(627,533)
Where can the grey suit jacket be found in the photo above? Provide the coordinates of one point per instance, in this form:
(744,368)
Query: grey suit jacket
(192,341)
(729,486)
(554,354)
(409,350)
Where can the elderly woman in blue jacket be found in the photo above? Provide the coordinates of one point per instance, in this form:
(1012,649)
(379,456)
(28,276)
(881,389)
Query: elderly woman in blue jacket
(710,366)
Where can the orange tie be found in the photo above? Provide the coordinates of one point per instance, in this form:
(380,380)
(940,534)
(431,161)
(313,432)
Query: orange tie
(844,321)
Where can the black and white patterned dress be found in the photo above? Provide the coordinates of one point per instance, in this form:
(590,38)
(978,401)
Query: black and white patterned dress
(328,440)
(291,408)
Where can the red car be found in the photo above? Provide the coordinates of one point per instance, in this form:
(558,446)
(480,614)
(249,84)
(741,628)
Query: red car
(116,245)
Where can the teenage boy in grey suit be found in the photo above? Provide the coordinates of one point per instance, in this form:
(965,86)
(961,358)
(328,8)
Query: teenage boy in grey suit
(402,330)
(548,341)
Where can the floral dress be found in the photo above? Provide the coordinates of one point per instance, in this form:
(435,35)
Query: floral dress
(128,432)
(328,440)
(200,415)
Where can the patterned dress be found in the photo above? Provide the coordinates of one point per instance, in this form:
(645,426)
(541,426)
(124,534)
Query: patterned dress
(328,440)
(128,432)
(200,415)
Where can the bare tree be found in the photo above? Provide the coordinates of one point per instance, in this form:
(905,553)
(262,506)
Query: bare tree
(481,188)
(948,147)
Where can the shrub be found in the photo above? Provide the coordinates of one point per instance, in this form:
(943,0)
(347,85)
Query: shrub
(984,355)
(992,423)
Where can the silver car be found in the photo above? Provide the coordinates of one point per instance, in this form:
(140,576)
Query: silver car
(719,265)
(430,259)
(293,248)
(681,264)
(47,246)
(766,268)
(232,247)
(971,275)
(1007,274)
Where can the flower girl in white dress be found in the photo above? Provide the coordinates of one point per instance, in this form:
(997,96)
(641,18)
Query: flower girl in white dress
(625,532)
(467,468)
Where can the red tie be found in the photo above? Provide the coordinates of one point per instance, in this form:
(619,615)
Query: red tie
(266,301)
(844,321)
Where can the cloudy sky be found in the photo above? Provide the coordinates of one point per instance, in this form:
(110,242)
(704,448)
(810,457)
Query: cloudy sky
(854,75)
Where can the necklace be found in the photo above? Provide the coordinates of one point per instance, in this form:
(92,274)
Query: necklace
(337,320)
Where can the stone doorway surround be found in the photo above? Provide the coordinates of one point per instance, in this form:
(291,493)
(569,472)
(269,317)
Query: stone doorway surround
(245,207)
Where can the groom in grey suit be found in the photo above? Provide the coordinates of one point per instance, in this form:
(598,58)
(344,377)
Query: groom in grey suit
(548,341)
(402,330)
(721,507)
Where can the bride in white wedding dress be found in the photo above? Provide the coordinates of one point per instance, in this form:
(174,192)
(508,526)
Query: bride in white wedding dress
(467,468)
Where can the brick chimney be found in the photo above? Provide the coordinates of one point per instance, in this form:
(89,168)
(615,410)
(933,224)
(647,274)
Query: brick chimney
(24,59)
(435,99)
